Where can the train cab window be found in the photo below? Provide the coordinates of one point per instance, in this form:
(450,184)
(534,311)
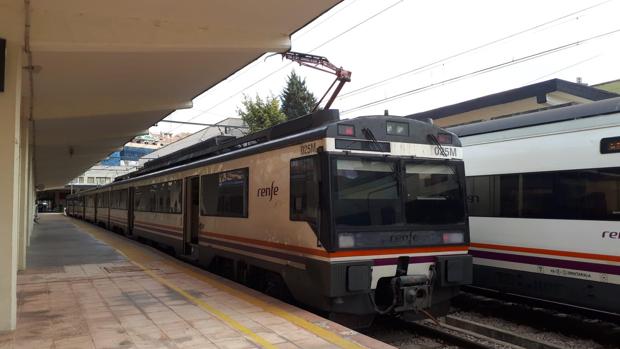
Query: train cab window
(366,192)
(433,194)
(225,194)
(304,199)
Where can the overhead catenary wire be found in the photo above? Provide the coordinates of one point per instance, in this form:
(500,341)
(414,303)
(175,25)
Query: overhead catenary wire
(479,71)
(248,67)
(461,53)
(564,68)
(324,19)
(385,9)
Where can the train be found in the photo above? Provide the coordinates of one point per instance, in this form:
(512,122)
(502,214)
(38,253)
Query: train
(543,192)
(352,218)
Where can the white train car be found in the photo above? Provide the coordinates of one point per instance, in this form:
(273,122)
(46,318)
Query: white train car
(544,204)
(353,217)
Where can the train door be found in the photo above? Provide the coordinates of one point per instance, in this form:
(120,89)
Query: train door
(191,218)
(130,205)
(96,198)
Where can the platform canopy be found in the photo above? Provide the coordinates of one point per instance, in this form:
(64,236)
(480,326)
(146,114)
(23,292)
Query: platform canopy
(105,71)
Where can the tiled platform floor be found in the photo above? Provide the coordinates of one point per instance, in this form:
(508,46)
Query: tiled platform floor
(113,302)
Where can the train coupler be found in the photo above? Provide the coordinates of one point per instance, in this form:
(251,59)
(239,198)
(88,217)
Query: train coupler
(403,294)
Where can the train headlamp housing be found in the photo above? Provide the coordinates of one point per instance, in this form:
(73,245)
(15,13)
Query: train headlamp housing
(346,130)
(397,128)
(453,237)
(444,138)
(346,240)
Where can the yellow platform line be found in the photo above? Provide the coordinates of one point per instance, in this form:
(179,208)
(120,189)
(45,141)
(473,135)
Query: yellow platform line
(140,255)
(204,305)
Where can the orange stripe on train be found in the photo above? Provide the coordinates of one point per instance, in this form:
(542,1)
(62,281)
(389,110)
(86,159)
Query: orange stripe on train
(355,253)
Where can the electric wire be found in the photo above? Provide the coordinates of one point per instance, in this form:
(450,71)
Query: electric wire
(564,68)
(289,64)
(443,60)
(479,71)
(323,20)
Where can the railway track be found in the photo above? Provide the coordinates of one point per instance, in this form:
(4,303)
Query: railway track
(451,332)
(469,291)
(603,328)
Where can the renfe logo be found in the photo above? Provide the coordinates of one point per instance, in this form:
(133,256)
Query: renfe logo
(268,191)
(611,234)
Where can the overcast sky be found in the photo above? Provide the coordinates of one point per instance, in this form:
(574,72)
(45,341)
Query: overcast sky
(447,46)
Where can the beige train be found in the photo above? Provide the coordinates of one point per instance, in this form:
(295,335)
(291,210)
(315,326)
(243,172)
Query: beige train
(351,217)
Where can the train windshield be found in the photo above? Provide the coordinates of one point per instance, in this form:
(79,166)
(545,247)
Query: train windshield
(433,194)
(373,192)
(366,192)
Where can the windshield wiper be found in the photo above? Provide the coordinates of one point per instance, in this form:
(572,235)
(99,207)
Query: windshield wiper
(395,170)
(371,137)
(433,139)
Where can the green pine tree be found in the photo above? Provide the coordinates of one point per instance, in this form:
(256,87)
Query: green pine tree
(296,99)
(259,114)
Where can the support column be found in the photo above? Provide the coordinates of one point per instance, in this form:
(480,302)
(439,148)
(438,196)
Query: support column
(24,192)
(11,29)
(32,195)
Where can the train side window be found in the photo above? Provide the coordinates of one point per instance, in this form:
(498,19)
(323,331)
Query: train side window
(304,199)
(141,199)
(103,200)
(175,198)
(152,198)
(480,195)
(585,194)
(122,199)
(509,189)
(225,194)
(537,191)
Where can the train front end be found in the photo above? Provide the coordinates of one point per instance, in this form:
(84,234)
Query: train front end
(397,232)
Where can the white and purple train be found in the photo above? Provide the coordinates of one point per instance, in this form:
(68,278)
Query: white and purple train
(544,204)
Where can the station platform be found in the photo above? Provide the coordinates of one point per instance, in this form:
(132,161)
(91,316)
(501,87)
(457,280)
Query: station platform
(86,287)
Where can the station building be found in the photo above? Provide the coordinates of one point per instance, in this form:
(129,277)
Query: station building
(81,79)
(554,93)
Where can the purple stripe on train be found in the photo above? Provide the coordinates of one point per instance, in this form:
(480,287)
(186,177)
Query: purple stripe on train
(548,262)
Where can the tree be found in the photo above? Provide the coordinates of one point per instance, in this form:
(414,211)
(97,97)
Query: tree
(259,114)
(296,99)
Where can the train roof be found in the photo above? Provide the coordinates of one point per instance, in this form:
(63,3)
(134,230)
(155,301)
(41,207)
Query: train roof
(321,124)
(607,106)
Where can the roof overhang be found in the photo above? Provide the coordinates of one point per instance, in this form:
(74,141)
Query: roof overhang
(106,71)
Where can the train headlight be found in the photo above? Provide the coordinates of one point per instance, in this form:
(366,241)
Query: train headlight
(346,240)
(453,237)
